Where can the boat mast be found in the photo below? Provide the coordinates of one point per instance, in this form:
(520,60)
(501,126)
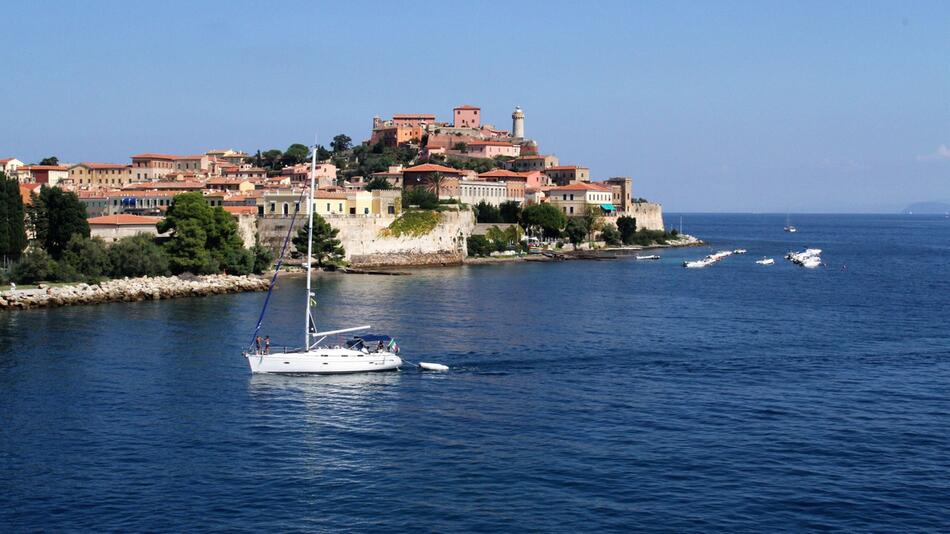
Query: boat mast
(313,166)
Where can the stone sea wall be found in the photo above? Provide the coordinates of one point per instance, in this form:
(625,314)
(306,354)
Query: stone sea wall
(130,290)
(649,215)
(365,247)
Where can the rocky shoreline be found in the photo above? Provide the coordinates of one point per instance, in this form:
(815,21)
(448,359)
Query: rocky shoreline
(130,290)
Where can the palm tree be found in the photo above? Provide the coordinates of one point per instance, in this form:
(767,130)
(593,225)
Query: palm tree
(434,183)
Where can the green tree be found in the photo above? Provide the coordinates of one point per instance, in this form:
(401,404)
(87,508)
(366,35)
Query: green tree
(378,183)
(575,231)
(611,235)
(419,197)
(486,213)
(510,211)
(593,220)
(628,228)
(263,258)
(322,153)
(326,247)
(545,217)
(12,220)
(341,143)
(138,255)
(271,159)
(88,257)
(52,160)
(34,266)
(434,182)
(295,154)
(203,239)
(479,245)
(59,215)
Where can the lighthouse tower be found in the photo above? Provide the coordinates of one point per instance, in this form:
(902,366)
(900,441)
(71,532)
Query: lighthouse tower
(517,123)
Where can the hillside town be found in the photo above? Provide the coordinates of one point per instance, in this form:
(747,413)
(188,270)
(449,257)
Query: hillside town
(361,187)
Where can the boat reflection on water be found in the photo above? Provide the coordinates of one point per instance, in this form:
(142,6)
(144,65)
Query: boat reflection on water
(323,388)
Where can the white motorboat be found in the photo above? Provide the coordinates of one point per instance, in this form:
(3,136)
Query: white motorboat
(650,257)
(697,264)
(809,258)
(739,251)
(353,356)
(765,261)
(788,226)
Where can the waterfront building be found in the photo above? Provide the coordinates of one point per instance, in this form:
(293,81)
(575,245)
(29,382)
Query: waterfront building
(574,199)
(230,184)
(534,163)
(97,175)
(622,192)
(424,176)
(567,174)
(491,149)
(331,202)
(229,156)
(474,191)
(10,165)
(113,227)
(150,166)
(325,174)
(42,174)
(466,116)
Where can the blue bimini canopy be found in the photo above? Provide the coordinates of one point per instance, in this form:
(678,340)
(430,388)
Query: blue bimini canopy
(372,338)
(607,207)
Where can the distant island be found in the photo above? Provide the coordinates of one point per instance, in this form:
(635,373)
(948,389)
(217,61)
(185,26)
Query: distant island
(927,208)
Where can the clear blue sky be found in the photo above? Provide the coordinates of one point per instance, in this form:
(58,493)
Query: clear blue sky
(709,106)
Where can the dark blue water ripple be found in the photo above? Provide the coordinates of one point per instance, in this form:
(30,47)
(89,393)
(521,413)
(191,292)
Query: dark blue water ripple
(603,396)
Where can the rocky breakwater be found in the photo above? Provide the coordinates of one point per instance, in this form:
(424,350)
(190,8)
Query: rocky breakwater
(130,290)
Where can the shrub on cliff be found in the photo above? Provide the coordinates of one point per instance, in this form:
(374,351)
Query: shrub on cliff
(486,213)
(137,255)
(326,247)
(510,211)
(420,197)
(413,223)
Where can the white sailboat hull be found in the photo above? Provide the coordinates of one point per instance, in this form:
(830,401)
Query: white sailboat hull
(323,361)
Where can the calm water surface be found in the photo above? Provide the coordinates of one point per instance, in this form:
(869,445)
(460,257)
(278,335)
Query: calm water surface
(584,396)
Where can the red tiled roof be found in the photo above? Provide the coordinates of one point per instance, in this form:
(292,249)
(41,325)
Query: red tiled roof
(122,219)
(579,186)
(102,166)
(241,210)
(226,181)
(564,168)
(165,185)
(489,143)
(198,156)
(6,160)
(465,106)
(153,155)
(413,116)
(501,173)
(431,167)
(44,168)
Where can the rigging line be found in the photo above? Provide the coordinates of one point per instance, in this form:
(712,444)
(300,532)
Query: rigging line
(273,280)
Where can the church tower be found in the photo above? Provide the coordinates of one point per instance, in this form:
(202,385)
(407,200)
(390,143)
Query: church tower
(517,123)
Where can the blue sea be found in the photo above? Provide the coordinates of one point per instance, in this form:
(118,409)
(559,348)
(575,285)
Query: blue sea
(583,396)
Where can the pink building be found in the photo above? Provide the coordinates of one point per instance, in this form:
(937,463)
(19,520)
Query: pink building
(490,149)
(466,116)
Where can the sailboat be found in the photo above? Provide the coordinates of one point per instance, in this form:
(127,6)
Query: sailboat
(356,355)
(788,227)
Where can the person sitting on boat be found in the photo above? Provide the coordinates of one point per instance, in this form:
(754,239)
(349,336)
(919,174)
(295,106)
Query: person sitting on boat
(379,346)
(258,343)
(266,344)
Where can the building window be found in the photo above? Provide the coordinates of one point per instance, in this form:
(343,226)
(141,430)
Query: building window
(572,210)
